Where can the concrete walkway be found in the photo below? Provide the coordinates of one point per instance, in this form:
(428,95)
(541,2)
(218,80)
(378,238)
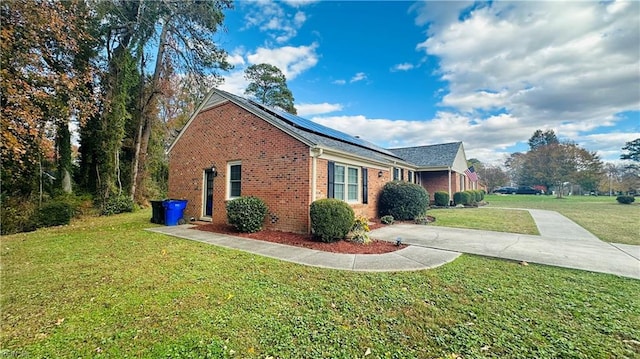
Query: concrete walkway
(409,258)
(561,243)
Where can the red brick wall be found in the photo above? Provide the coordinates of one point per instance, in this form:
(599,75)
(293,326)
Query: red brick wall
(435,181)
(369,210)
(275,166)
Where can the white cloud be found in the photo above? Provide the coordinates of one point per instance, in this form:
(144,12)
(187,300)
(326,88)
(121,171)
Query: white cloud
(489,139)
(299,18)
(570,66)
(339,82)
(307,109)
(234,82)
(607,145)
(360,76)
(271,18)
(401,133)
(402,67)
(235,59)
(299,3)
(291,60)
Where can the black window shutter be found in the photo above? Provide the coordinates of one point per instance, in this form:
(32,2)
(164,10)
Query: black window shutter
(401,174)
(330,179)
(365,186)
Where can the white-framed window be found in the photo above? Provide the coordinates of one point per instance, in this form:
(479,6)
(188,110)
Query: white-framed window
(346,183)
(410,177)
(234,182)
(396,174)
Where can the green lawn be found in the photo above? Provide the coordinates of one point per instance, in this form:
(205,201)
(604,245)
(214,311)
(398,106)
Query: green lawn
(602,216)
(103,287)
(489,219)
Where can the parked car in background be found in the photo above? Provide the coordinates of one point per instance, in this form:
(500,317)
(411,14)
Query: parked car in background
(527,190)
(518,190)
(505,190)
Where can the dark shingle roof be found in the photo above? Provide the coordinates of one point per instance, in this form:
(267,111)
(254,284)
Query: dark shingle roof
(315,133)
(441,155)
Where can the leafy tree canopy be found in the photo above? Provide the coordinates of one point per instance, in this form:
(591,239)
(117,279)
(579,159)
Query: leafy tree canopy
(268,85)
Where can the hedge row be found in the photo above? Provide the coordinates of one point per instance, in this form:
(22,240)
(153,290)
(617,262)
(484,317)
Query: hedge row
(469,197)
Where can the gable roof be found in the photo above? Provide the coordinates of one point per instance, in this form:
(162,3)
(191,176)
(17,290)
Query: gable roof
(308,132)
(440,155)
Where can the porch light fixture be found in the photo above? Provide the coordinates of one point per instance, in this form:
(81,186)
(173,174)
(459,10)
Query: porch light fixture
(214,171)
(379,174)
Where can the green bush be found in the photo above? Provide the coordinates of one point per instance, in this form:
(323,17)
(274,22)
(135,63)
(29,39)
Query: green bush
(55,213)
(403,200)
(117,204)
(331,219)
(17,215)
(386,219)
(247,214)
(441,198)
(476,195)
(463,198)
(625,199)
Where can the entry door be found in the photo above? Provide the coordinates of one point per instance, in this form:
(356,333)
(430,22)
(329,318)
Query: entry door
(208,193)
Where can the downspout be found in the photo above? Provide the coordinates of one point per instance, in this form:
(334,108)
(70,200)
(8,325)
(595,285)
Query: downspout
(450,194)
(315,153)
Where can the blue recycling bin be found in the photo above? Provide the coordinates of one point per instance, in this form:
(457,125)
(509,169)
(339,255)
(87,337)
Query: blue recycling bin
(173,211)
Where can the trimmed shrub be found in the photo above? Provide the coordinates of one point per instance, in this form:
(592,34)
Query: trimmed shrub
(117,204)
(386,219)
(246,214)
(463,198)
(478,195)
(331,219)
(403,200)
(441,198)
(55,213)
(625,199)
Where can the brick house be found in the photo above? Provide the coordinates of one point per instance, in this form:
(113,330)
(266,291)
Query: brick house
(235,147)
(438,167)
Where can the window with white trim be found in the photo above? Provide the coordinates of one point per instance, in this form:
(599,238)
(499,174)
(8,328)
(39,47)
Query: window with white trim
(344,182)
(396,174)
(234,184)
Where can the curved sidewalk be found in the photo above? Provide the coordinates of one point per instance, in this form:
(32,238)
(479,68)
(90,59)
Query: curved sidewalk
(561,243)
(409,258)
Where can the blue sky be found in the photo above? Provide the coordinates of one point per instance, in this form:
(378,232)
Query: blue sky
(414,73)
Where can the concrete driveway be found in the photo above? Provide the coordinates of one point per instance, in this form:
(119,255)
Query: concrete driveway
(561,243)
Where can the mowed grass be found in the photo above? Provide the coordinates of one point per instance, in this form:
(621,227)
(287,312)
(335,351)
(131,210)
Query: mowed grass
(602,216)
(105,288)
(489,219)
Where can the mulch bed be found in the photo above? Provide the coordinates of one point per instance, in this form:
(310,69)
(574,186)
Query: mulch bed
(306,241)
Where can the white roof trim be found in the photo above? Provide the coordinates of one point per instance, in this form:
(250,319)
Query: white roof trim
(206,104)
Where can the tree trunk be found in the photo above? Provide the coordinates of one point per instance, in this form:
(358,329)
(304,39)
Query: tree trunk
(147,118)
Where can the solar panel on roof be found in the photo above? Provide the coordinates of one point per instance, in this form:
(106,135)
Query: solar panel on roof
(317,128)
